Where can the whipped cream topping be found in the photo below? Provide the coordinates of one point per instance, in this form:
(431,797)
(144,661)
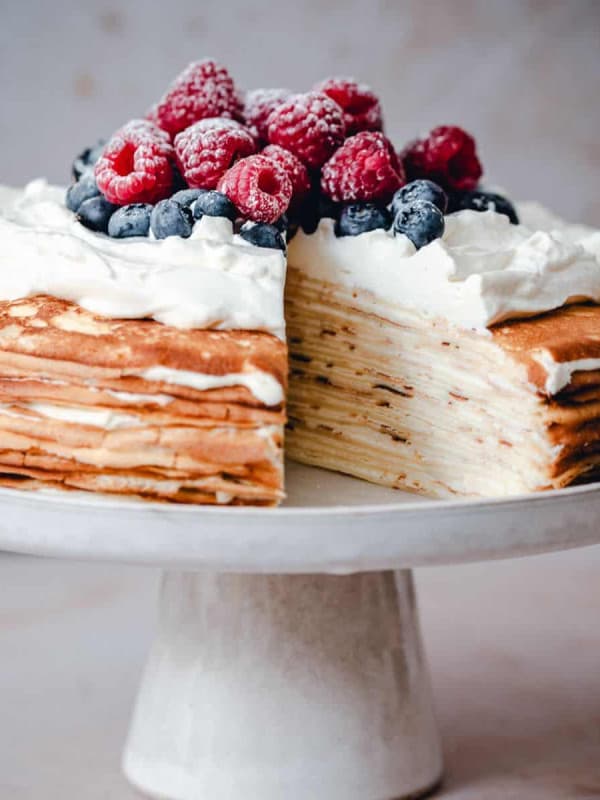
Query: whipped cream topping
(482,271)
(535,217)
(214,279)
(559,374)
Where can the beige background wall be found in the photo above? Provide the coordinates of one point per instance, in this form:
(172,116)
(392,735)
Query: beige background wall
(523,76)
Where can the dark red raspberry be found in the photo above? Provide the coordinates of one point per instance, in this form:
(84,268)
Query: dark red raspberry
(362,111)
(259,187)
(207,149)
(297,172)
(204,89)
(365,167)
(136,165)
(447,156)
(311,126)
(258,105)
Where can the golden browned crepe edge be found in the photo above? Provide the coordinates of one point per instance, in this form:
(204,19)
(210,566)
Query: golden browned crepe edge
(70,336)
(54,351)
(569,333)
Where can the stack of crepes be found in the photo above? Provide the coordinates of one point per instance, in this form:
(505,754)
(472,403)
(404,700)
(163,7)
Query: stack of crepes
(439,410)
(382,390)
(137,408)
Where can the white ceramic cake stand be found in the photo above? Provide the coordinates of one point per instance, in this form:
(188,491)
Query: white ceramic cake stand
(288,662)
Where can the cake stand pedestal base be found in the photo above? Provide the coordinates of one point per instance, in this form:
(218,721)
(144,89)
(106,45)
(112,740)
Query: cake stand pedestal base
(292,687)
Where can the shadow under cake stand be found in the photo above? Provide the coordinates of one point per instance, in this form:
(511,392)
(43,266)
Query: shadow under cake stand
(288,662)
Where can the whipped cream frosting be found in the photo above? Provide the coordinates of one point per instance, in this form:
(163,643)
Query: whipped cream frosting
(261,384)
(559,373)
(214,279)
(483,270)
(105,418)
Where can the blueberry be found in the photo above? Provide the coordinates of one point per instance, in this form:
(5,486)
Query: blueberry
(327,208)
(95,213)
(421,221)
(316,208)
(478,200)
(85,188)
(168,218)
(263,235)
(86,160)
(185,197)
(282,224)
(358,218)
(131,220)
(179,182)
(420,190)
(215,204)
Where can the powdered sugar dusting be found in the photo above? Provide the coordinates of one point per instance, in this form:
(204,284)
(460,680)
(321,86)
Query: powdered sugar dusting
(207,149)
(365,167)
(258,106)
(362,110)
(204,89)
(295,169)
(309,125)
(259,187)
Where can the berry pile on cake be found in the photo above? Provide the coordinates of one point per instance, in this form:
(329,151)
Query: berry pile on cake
(441,340)
(273,162)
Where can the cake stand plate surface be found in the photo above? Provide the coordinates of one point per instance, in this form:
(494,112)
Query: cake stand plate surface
(328,523)
(288,662)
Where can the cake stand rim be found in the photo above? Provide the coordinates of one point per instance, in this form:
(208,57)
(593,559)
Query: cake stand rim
(336,539)
(418,503)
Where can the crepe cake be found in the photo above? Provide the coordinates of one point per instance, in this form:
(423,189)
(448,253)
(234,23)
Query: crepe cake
(145,368)
(385,387)
(437,344)
(120,406)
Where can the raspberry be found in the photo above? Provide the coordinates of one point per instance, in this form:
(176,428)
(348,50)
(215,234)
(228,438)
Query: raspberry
(297,172)
(311,126)
(136,165)
(259,187)
(365,167)
(258,105)
(210,123)
(206,150)
(446,156)
(362,111)
(204,89)
(144,127)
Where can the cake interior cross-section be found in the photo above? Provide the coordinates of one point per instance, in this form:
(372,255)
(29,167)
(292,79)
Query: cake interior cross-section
(442,339)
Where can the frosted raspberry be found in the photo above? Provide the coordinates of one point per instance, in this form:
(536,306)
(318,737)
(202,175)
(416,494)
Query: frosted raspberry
(144,127)
(204,89)
(206,150)
(136,165)
(362,111)
(311,126)
(365,167)
(152,115)
(258,105)
(210,123)
(259,187)
(295,169)
(447,156)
